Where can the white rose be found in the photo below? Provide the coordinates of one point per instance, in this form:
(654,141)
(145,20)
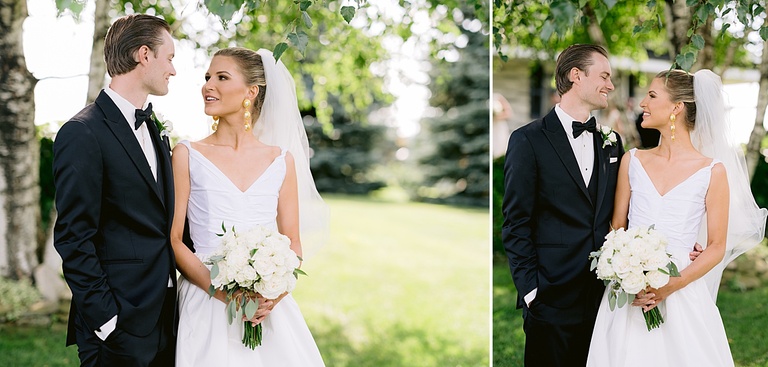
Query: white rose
(633,283)
(612,137)
(246,276)
(262,262)
(604,268)
(605,129)
(621,265)
(271,288)
(657,279)
(291,283)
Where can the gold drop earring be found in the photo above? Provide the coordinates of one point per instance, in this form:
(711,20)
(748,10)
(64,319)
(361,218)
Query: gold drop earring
(672,118)
(247,114)
(215,124)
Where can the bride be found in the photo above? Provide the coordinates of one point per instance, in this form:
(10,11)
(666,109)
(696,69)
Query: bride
(244,174)
(694,183)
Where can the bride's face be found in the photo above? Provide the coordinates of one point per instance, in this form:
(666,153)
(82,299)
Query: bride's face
(224,89)
(657,106)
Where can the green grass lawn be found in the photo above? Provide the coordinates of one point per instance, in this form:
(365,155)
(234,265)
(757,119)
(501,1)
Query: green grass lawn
(745,316)
(398,284)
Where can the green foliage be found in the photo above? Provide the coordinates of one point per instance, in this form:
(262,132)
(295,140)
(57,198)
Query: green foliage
(343,159)
(551,26)
(47,189)
(455,169)
(760,183)
(18,296)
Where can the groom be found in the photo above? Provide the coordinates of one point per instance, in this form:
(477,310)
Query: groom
(560,178)
(114,196)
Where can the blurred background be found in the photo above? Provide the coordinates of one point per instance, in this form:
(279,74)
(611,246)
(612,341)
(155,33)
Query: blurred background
(395,100)
(643,38)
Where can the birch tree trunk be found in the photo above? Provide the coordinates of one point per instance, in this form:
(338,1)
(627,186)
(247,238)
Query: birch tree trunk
(19,149)
(758,131)
(98,70)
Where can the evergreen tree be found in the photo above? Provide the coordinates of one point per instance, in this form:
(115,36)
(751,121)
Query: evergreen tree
(455,167)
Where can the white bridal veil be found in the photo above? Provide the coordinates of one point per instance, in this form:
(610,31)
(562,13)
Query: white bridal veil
(280,124)
(712,137)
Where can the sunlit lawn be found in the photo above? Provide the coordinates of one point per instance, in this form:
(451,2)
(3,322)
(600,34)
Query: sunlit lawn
(399,284)
(745,315)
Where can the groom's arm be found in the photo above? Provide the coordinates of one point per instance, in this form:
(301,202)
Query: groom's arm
(77,171)
(520,182)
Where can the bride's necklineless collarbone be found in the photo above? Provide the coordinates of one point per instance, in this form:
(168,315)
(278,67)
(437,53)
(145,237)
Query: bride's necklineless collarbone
(243,167)
(666,175)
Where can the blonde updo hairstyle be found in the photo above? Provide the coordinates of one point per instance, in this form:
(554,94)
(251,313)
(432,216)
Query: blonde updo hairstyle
(251,66)
(679,85)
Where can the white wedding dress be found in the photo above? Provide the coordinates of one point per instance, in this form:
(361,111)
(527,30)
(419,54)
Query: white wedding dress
(204,336)
(692,333)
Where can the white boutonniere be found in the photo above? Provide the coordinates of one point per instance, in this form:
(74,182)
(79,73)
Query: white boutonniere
(165,127)
(608,135)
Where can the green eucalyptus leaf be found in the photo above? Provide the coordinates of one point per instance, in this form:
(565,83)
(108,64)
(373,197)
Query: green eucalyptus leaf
(673,269)
(211,290)
(250,308)
(622,299)
(231,311)
(215,271)
(299,271)
(612,301)
(304,5)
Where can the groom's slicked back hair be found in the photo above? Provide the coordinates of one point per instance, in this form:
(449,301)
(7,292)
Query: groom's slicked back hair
(575,56)
(126,35)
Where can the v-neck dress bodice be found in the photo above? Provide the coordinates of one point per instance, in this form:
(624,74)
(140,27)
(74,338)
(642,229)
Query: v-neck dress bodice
(692,334)
(214,199)
(678,213)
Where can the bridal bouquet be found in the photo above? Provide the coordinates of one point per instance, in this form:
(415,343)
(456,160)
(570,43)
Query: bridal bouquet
(631,260)
(259,260)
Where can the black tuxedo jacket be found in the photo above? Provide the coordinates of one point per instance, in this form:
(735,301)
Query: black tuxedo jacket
(114,220)
(550,222)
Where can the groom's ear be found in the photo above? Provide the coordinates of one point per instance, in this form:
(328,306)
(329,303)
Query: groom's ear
(142,54)
(574,74)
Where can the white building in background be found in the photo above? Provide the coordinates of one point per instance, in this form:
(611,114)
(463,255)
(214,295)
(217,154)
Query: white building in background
(527,84)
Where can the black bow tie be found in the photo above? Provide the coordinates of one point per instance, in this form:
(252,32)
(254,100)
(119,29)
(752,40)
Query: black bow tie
(143,115)
(579,128)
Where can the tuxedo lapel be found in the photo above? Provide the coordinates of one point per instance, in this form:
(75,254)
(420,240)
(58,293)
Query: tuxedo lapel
(163,160)
(116,122)
(555,133)
(603,157)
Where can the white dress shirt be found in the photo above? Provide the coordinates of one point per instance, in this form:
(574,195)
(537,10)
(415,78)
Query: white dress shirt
(142,134)
(583,146)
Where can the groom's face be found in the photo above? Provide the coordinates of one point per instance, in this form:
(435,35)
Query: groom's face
(594,84)
(160,67)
